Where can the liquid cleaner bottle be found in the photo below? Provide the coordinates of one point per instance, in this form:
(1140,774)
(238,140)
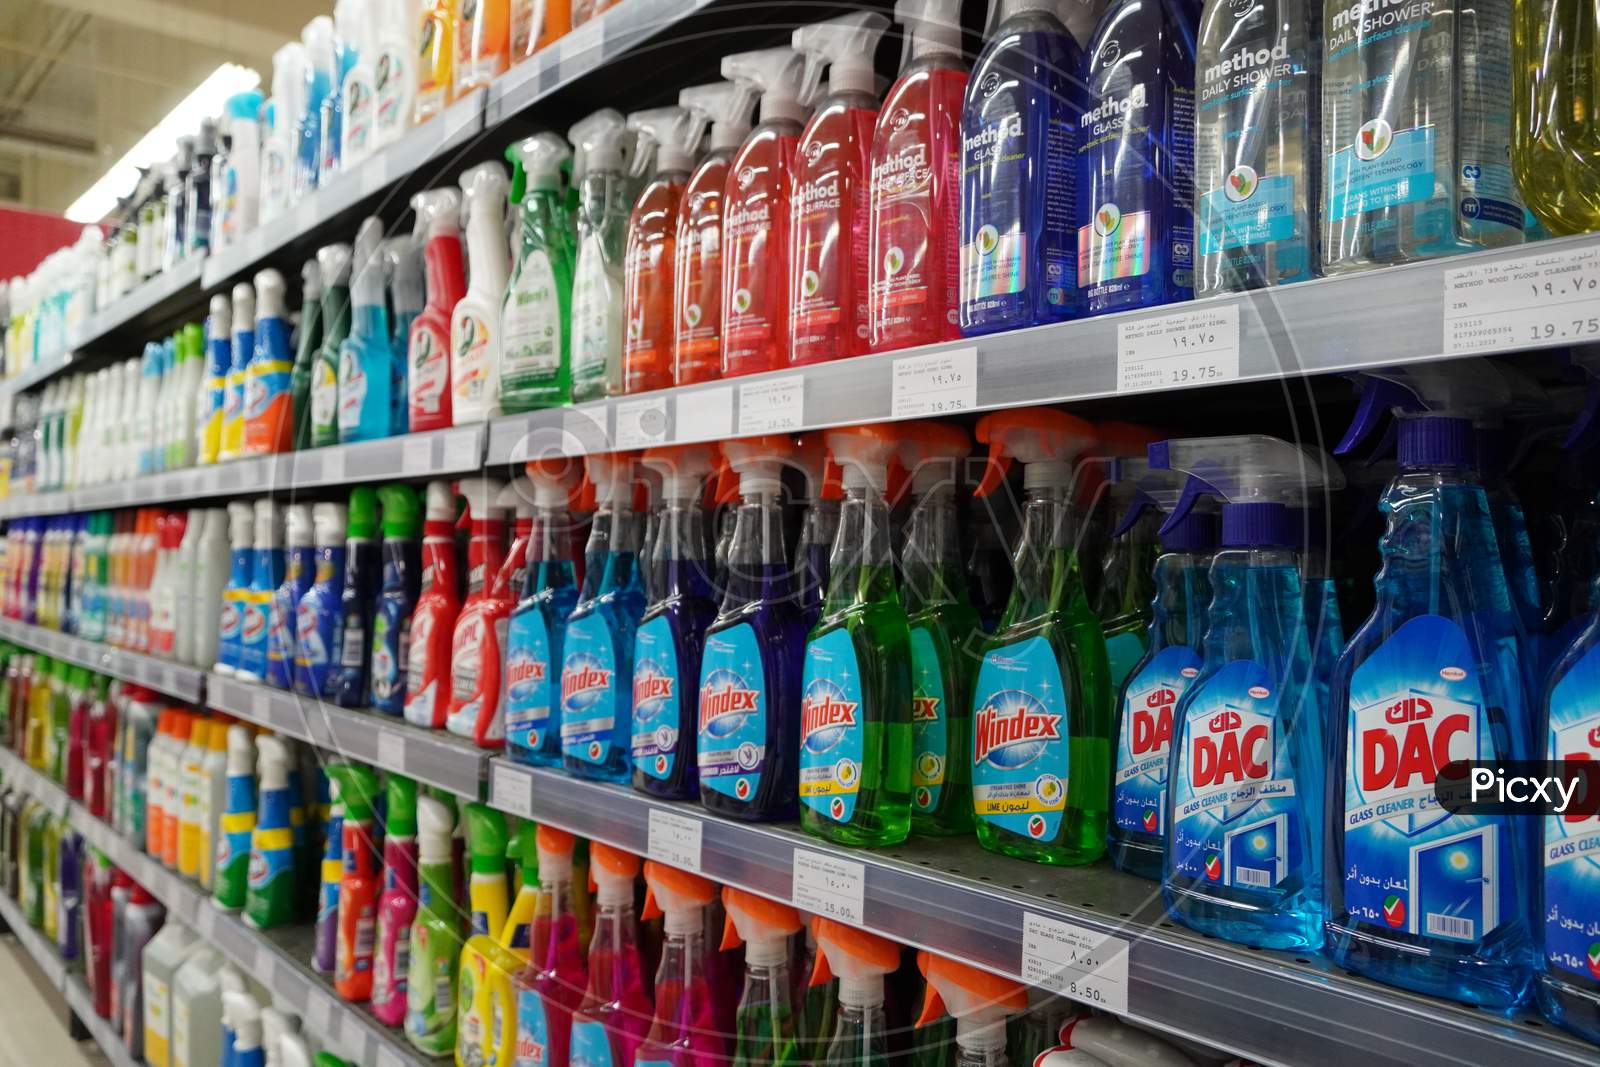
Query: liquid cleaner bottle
(242,348)
(756,209)
(1149,698)
(433,623)
(855,710)
(219,358)
(270,894)
(397,596)
(483,44)
(475,334)
(485,1022)
(476,645)
(325,940)
(436,54)
(536,366)
(213,799)
(162,957)
(697,253)
(397,902)
(819,526)
(299,565)
(316,617)
(197,1009)
(1552,99)
(684,1031)
(650,260)
(860,961)
(750,669)
(1421,898)
(435,935)
(189,785)
(981,1004)
(1416,130)
(614,1017)
(366,373)
(334,263)
(535,638)
(238,821)
(914,212)
(551,987)
(604,154)
(241,526)
(396,69)
(268,415)
(346,682)
(267,575)
(1257,161)
(213,564)
(428,348)
(1041,705)
(1135,158)
(769,1019)
(1241,865)
(403,263)
(360,883)
(1124,583)
(1020,126)
(358,90)
(945,632)
(829,271)
(308,342)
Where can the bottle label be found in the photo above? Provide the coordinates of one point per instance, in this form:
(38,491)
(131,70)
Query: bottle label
(466,661)
(232,615)
(755,250)
(1571,867)
(1020,740)
(596,320)
(157,1007)
(352,643)
(1249,209)
(532,320)
(390,76)
(588,690)
(1416,705)
(591,1047)
(533,1031)
(1384,168)
(832,727)
(470,369)
(430,369)
(655,698)
(352,389)
(1113,245)
(1139,784)
(529,680)
(697,320)
(324,395)
(733,713)
(388,676)
(358,109)
(930,722)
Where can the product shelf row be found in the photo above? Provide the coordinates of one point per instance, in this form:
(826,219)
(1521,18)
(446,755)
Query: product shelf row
(173,679)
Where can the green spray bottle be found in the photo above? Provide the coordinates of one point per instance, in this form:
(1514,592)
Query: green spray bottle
(308,344)
(334,263)
(435,935)
(1127,571)
(770,1019)
(536,360)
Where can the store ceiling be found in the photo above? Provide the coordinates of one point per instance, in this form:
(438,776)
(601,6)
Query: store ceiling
(82,80)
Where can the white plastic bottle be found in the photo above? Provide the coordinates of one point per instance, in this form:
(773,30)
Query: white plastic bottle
(211,576)
(358,94)
(197,1009)
(163,955)
(212,797)
(242,175)
(475,337)
(287,108)
(183,587)
(395,69)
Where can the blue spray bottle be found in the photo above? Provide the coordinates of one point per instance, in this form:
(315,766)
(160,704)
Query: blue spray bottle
(1244,813)
(346,684)
(597,660)
(321,78)
(1020,126)
(266,577)
(402,583)
(749,729)
(317,615)
(366,370)
(241,572)
(1420,897)
(299,564)
(407,295)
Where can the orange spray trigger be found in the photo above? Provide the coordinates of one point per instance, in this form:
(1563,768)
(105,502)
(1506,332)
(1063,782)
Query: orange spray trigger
(979,1001)
(1045,441)
(932,1006)
(821,974)
(864,453)
(651,909)
(763,926)
(859,959)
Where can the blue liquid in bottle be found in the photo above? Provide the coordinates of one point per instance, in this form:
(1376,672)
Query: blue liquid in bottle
(317,614)
(255,628)
(298,568)
(535,639)
(817,531)
(397,598)
(346,684)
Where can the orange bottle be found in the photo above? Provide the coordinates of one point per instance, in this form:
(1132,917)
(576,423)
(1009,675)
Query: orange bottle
(436,59)
(651,257)
(483,43)
(536,23)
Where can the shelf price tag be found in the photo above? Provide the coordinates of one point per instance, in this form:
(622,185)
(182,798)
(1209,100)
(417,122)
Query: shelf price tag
(674,839)
(641,423)
(510,791)
(773,405)
(1083,964)
(416,456)
(705,415)
(461,451)
(392,751)
(937,384)
(832,888)
(1549,297)
(1195,347)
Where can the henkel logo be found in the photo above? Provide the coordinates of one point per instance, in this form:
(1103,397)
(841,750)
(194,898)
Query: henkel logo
(1400,743)
(825,716)
(1013,729)
(725,701)
(583,680)
(924,709)
(1150,724)
(1232,747)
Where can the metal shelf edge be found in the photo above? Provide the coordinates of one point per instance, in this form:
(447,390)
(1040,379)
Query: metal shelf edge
(185,683)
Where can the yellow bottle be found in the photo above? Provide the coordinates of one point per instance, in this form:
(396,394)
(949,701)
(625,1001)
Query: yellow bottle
(436,60)
(486,1018)
(189,786)
(1555,144)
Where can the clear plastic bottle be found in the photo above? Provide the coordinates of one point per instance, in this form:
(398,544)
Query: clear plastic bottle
(1555,96)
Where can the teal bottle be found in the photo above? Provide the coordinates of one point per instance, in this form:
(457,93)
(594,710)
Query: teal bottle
(366,360)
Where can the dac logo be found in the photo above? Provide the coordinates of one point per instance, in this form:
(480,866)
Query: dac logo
(1150,726)
(1400,743)
(1235,747)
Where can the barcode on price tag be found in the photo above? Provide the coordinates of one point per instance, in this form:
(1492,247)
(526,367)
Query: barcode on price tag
(938,384)
(773,405)
(706,415)
(674,839)
(1195,347)
(1082,964)
(832,888)
(641,423)
(392,751)
(511,791)
(1546,298)
(416,456)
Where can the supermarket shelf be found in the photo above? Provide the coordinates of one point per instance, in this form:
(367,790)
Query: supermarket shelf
(185,683)
(953,897)
(136,317)
(18,505)
(41,371)
(430,756)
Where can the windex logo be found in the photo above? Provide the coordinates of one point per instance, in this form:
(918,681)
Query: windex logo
(1236,747)
(521,670)
(724,702)
(1014,724)
(924,709)
(651,685)
(584,679)
(1403,740)
(1150,725)
(825,713)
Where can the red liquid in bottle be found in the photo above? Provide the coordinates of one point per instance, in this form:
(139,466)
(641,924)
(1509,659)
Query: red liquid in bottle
(828,273)
(755,265)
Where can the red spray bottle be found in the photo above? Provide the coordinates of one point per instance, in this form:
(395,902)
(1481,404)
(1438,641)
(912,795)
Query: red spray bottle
(360,883)
(433,622)
(428,349)
(475,649)
(397,903)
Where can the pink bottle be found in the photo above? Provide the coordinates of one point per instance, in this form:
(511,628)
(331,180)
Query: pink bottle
(616,1012)
(551,987)
(685,1031)
(397,903)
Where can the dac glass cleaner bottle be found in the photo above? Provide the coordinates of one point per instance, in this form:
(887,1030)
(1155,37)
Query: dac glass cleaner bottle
(346,684)
(1135,219)
(1244,799)
(1416,130)
(316,616)
(266,577)
(366,374)
(299,565)
(1256,149)
(605,151)
(1019,134)
(475,336)
(536,366)
(649,284)
(334,262)
(535,638)
(428,347)
(402,584)
(1041,715)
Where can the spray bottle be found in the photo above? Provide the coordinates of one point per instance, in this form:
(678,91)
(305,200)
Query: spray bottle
(395,69)
(391,617)
(317,614)
(358,90)
(684,1029)
(325,942)
(551,987)
(241,573)
(213,799)
(980,1002)
(485,1029)
(476,341)
(428,346)
(483,44)
(770,1010)
(649,281)
(915,168)
(1120,578)
(237,826)
(436,77)
(435,935)
(615,1013)
(602,172)
(267,576)
(268,415)
(366,373)
(334,263)
(1044,680)
(299,566)
(403,264)
(359,883)
(536,367)
(243,347)
(346,684)
(433,623)
(475,647)
(829,272)
(536,635)
(270,899)
(307,344)
(397,902)
(819,526)
(860,961)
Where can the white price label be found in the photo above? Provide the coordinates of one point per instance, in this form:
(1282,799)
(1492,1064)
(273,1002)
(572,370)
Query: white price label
(266,968)
(353,1036)
(392,751)
(938,384)
(582,46)
(674,839)
(319,1009)
(772,406)
(585,429)
(205,921)
(1549,297)
(832,888)
(261,707)
(641,423)
(388,1057)
(1195,347)
(706,415)
(511,791)
(374,173)
(169,679)
(333,465)
(416,456)
(1082,964)
(461,451)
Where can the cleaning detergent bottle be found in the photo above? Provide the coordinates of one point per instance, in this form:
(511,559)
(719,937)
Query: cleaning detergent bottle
(1416,123)
(485,1020)
(238,821)
(396,69)
(408,295)
(536,365)
(480,630)
(245,1013)
(213,799)
(649,281)
(683,1032)
(436,77)
(358,90)
(241,572)
(267,575)
(551,987)
(980,1002)
(831,183)
(270,897)
(914,210)
(428,347)
(475,335)
(317,641)
(750,668)
(346,682)
(1551,93)
(162,956)
(391,616)
(945,631)
(1149,698)
(308,342)
(334,263)
(614,1017)
(1240,864)
(1135,158)
(1256,150)
(604,151)
(1433,676)
(697,268)
(819,526)
(860,961)
(1020,126)
(671,634)
(597,654)
(243,347)
(366,374)
(397,902)
(1041,707)
(435,943)
(433,623)
(299,566)
(1123,583)
(756,214)
(197,1009)
(769,1021)
(483,44)
(855,707)
(268,415)
(189,785)
(325,941)
(360,883)
(535,639)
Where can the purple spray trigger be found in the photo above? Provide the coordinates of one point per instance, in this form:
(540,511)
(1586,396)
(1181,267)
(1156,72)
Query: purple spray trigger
(1140,503)
(1378,397)
(1193,490)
